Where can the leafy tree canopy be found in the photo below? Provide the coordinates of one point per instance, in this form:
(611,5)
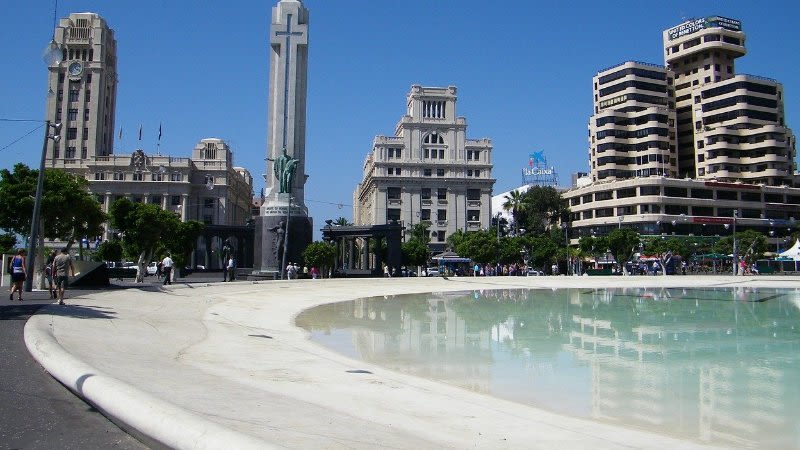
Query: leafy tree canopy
(542,207)
(319,254)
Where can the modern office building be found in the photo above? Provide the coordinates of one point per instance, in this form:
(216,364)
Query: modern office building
(206,187)
(428,171)
(690,147)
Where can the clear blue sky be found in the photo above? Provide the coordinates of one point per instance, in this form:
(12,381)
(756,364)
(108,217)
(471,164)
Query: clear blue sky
(523,70)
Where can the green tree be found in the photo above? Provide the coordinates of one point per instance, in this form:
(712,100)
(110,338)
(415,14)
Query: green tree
(8,243)
(623,243)
(751,245)
(514,203)
(542,250)
(68,211)
(342,222)
(541,208)
(181,241)
(415,253)
(666,249)
(479,246)
(110,250)
(145,227)
(320,255)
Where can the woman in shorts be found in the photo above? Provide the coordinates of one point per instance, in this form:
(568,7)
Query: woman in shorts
(18,274)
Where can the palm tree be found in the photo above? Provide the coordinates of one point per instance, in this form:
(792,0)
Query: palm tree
(342,222)
(514,203)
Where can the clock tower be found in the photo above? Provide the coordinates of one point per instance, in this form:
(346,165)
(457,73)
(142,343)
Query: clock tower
(82,91)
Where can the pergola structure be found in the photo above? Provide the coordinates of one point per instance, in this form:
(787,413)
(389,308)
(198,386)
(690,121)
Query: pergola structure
(353,254)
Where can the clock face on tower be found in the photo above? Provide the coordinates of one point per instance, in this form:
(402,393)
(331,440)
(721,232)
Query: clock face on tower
(75,68)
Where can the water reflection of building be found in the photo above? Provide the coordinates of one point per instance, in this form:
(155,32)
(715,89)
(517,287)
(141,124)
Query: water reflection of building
(649,367)
(424,337)
(715,365)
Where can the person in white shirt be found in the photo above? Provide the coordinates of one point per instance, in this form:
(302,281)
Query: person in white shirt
(231,269)
(167,264)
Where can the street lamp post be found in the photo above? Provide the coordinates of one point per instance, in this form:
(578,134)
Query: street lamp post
(735,248)
(37,204)
(565,226)
(286,240)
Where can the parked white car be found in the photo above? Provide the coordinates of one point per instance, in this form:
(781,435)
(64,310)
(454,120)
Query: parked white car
(152,268)
(433,271)
(534,273)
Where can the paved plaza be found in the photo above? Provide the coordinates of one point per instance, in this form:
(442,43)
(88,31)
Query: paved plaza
(221,365)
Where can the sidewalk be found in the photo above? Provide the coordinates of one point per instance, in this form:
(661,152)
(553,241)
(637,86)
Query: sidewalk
(221,365)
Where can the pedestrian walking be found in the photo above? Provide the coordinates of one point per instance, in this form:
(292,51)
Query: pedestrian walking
(167,266)
(62,266)
(18,271)
(231,269)
(48,273)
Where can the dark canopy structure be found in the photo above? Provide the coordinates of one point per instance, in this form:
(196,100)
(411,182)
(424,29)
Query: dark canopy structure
(364,250)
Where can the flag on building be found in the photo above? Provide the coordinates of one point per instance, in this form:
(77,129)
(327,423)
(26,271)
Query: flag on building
(140,132)
(159,132)
(120,132)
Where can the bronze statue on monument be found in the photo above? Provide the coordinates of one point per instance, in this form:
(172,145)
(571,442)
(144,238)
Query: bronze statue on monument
(284,168)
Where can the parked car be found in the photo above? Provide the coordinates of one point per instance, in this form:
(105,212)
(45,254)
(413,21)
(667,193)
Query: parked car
(432,271)
(534,273)
(152,268)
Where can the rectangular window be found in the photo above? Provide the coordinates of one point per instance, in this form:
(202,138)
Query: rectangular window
(393,193)
(99,175)
(85,133)
(176,200)
(425,193)
(650,190)
(208,202)
(439,172)
(119,176)
(477,173)
(392,214)
(156,177)
(88,78)
(441,194)
(72,133)
(473,215)
(397,171)
(138,176)
(73,94)
(425,214)
(727,195)
(441,214)
(473,194)
(751,196)
(440,236)
(84,152)
(72,114)
(70,153)
(390,170)
(441,153)
(426,172)
(86,114)
(176,177)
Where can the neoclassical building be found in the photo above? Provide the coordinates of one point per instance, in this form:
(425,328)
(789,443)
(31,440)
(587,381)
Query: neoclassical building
(690,147)
(206,186)
(428,171)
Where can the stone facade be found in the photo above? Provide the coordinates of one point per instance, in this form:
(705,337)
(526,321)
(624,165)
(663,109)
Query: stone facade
(428,171)
(206,187)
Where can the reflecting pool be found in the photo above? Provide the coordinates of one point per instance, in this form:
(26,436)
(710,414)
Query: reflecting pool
(714,365)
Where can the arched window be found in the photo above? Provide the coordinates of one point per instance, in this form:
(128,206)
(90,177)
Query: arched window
(433,138)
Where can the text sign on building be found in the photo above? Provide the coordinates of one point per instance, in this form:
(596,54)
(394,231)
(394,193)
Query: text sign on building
(695,25)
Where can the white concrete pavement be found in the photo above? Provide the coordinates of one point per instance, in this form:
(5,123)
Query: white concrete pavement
(221,365)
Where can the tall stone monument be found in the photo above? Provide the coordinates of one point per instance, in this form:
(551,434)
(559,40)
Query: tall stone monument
(283,229)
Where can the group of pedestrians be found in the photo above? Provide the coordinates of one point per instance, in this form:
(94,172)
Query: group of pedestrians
(56,271)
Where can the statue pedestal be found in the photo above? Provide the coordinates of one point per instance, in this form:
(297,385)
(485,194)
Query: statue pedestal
(269,235)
